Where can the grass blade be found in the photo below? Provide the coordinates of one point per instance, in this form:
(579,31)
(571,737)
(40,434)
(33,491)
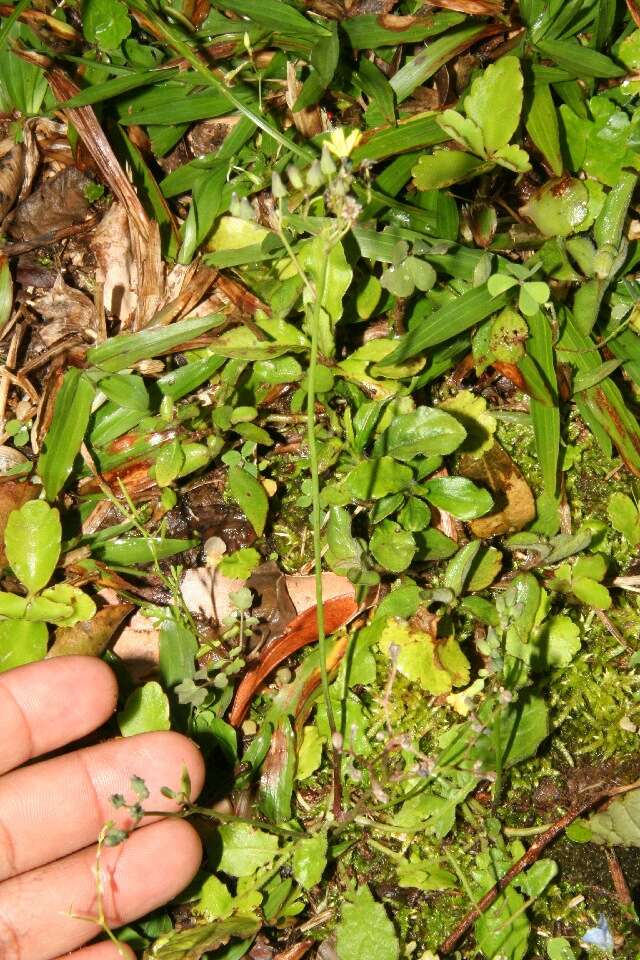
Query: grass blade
(64,436)
(454,318)
(123,351)
(546,424)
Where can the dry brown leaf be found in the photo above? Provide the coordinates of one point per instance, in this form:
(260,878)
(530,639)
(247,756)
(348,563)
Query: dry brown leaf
(296,952)
(309,120)
(90,638)
(514,506)
(115,267)
(478,8)
(206,593)
(355,8)
(634,10)
(151,277)
(302,589)
(11,174)
(275,611)
(86,123)
(65,310)
(58,202)
(300,632)
(139,647)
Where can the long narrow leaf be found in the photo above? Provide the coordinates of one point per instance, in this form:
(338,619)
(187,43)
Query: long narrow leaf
(546,424)
(123,351)
(604,402)
(454,318)
(426,63)
(64,437)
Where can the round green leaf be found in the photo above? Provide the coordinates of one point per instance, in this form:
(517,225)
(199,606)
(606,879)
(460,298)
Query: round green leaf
(415,515)
(425,432)
(32,542)
(393,547)
(458,496)
(500,283)
(422,273)
(374,479)
(82,606)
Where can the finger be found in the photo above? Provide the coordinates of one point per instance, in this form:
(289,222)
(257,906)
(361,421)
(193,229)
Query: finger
(102,951)
(41,912)
(46,705)
(50,809)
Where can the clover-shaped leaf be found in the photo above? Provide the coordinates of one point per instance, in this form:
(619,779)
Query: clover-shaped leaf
(532,296)
(500,283)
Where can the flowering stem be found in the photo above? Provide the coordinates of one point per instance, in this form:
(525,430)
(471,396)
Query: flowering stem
(316,521)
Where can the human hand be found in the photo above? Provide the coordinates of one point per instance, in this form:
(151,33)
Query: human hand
(52,811)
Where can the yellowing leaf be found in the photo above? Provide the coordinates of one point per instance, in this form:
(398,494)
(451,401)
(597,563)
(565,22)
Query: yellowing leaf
(436,665)
(471,412)
(514,506)
(21,642)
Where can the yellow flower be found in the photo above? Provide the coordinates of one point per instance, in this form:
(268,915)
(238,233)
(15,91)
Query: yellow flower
(340,145)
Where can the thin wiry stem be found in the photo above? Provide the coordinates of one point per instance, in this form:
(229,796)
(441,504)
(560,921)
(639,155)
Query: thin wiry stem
(316,519)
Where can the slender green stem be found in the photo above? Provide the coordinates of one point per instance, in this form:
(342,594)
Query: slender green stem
(464,883)
(184,49)
(497,740)
(526,831)
(316,519)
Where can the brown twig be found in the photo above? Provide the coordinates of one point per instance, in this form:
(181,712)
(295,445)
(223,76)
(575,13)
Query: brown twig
(617,878)
(527,860)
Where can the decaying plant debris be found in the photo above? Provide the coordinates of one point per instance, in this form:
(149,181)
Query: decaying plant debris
(319,410)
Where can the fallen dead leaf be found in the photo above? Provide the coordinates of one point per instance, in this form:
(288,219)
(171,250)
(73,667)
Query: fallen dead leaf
(634,10)
(514,506)
(65,310)
(296,952)
(206,593)
(300,632)
(11,174)
(139,647)
(115,266)
(58,202)
(307,121)
(91,637)
(276,610)
(478,8)
(302,589)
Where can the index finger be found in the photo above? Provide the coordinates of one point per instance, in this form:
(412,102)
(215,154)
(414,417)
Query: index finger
(49,704)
